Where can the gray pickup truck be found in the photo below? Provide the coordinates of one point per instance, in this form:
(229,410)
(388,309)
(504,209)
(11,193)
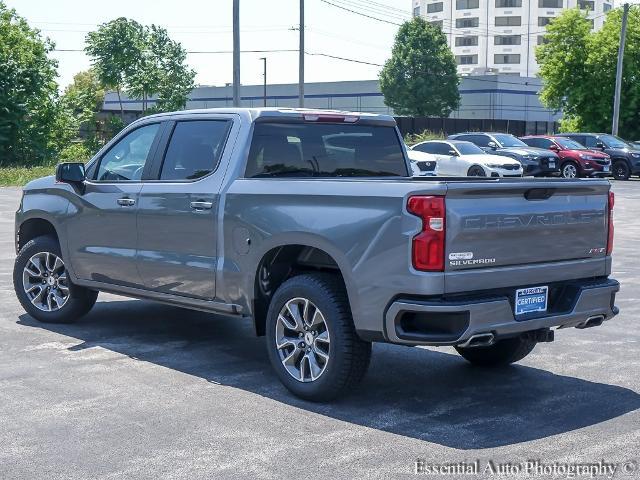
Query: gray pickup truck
(309,225)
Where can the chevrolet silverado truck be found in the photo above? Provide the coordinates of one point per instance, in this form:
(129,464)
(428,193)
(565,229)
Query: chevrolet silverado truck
(309,225)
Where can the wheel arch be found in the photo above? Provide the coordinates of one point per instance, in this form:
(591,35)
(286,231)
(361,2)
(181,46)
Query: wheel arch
(34,227)
(279,262)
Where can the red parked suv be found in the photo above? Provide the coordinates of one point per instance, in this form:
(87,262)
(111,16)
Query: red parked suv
(576,160)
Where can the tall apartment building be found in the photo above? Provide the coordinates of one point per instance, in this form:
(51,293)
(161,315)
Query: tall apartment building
(500,36)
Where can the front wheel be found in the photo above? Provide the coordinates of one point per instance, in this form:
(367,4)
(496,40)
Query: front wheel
(503,352)
(569,170)
(620,170)
(43,287)
(311,340)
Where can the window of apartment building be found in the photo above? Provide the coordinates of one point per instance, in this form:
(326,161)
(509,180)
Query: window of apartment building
(435,7)
(436,23)
(508,21)
(508,3)
(544,21)
(542,39)
(506,58)
(466,59)
(606,7)
(467,4)
(507,40)
(416,11)
(466,41)
(466,22)
(587,5)
(550,3)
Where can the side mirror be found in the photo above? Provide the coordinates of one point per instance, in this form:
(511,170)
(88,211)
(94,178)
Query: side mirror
(453,153)
(72,173)
(492,145)
(600,146)
(554,147)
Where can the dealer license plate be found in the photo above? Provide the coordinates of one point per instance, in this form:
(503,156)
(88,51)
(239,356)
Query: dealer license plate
(605,168)
(532,299)
(552,164)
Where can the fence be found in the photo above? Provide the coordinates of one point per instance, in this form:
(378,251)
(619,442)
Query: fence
(449,126)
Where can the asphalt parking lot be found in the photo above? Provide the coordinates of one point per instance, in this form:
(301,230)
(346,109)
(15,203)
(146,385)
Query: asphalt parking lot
(141,390)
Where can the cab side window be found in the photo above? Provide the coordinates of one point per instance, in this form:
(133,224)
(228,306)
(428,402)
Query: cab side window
(126,160)
(195,149)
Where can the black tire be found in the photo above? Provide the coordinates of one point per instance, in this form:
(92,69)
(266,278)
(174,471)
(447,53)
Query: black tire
(476,171)
(503,352)
(79,301)
(569,170)
(620,170)
(348,355)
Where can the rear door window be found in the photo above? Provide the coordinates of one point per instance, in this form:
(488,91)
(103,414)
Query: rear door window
(195,149)
(324,150)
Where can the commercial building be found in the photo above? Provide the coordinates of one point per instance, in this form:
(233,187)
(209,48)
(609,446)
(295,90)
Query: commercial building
(489,97)
(500,36)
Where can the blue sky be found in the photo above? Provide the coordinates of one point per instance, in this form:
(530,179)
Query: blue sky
(206,25)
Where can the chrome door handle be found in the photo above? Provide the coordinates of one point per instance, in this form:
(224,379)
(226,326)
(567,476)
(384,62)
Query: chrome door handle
(126,202)
(201,205)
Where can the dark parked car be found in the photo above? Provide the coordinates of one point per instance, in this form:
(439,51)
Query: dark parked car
(537,162)
(625,159)
(576,160)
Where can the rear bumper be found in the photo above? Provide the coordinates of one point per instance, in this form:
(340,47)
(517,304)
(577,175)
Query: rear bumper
(453,322)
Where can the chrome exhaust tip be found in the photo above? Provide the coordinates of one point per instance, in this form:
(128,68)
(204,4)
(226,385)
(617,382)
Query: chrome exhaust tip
(479,340)
(594,321)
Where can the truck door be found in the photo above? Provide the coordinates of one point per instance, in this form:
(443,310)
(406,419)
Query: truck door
(177,213)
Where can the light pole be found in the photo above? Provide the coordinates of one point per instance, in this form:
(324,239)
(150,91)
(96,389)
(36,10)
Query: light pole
(236,53)
(264,85)
(616,95)
(301,58)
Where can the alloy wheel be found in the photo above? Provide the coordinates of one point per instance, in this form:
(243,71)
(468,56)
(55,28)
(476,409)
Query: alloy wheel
(44,279)
(302,340)
(569,171)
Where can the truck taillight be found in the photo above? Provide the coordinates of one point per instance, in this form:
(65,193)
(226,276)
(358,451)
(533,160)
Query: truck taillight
(428,245)
(610,235)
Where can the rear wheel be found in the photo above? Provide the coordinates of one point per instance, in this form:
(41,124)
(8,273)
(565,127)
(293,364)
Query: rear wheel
(569,170)
(476,172)
(620,170)
(503,352)
(311,341)
(43,287)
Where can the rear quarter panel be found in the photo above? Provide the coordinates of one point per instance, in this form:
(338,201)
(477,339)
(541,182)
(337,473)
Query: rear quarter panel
(362,225)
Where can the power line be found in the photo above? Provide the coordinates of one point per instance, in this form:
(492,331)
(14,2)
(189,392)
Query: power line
(344,58)
(360,13)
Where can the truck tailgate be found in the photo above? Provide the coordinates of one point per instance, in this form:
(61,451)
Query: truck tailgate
(501,226)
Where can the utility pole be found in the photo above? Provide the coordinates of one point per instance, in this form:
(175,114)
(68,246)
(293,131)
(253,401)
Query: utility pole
(236,53)
(264,88)
(301,56)
(616,98)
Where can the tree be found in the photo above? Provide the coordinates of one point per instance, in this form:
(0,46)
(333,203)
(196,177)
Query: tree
(420,78)
(161,71)
(143,61)
(578,69)
(28,92)
(116,48)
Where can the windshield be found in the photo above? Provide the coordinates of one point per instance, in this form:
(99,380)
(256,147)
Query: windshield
(613,142)
(570,144)
(509,141)
(468,148)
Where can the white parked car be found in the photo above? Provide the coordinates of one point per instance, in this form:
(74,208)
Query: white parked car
(458,158)
(422,164)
